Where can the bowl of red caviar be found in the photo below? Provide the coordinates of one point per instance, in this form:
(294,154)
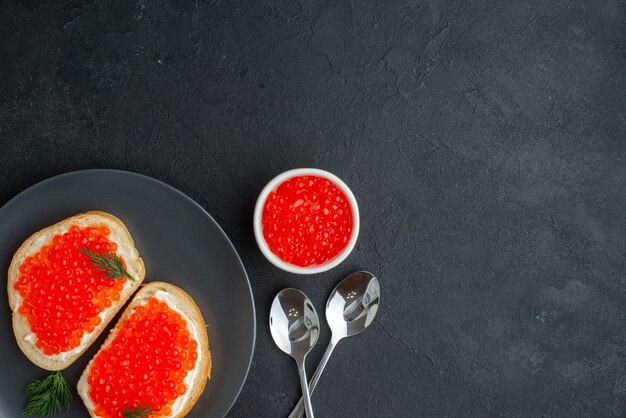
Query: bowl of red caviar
(306,221)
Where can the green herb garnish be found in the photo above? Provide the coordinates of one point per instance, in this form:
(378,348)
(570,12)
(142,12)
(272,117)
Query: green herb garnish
(47,395)
(109,263)
(141,412)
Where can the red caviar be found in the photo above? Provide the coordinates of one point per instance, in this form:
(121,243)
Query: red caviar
(307,220)
(146,363)
(63,292)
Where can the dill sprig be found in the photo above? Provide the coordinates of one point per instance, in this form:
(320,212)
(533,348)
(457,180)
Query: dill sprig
(141,412)
(108,263)
(47,395)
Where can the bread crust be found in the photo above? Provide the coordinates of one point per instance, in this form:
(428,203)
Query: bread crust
(134,265)
(187,305)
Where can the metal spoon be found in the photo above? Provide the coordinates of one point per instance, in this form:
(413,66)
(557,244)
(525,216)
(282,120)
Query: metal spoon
(295,328)
(350,309)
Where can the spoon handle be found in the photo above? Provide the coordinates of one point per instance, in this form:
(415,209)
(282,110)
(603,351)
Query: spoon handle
(305,390)
(298,411)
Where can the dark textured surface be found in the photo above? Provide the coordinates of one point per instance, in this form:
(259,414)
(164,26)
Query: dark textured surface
(485,142)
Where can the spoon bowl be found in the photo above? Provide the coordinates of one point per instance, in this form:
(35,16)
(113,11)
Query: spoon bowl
(294,323)
(353,304)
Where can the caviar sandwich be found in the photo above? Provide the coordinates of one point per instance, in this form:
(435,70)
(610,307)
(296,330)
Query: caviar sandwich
(155,362)
(66,283)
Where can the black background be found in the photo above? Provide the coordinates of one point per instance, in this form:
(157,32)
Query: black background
(484,141)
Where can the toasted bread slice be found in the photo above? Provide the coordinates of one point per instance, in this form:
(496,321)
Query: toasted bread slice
(178,300)
(125,248)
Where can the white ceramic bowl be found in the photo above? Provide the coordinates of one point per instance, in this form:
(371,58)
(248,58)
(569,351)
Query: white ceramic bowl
(258,227)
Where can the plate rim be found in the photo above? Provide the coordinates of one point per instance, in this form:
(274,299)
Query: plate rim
(188,199)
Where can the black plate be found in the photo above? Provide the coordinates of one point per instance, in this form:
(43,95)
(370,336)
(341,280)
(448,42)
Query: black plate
(179,242)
